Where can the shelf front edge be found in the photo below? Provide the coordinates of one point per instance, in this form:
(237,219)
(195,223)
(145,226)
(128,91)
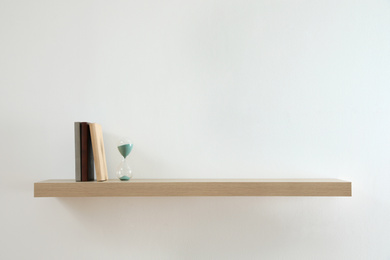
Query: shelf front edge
(193,188)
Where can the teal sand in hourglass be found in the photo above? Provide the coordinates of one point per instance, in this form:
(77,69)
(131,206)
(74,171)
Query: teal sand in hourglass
(124,172)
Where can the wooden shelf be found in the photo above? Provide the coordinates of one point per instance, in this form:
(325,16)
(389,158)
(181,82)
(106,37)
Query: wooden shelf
(194,187)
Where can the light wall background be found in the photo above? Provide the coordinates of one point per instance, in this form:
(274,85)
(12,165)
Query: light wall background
(204,89)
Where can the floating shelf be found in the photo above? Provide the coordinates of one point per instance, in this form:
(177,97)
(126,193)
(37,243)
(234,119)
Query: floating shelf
(194,187)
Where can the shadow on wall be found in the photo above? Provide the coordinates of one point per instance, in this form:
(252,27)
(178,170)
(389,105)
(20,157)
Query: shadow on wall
(185,223)
(141,163)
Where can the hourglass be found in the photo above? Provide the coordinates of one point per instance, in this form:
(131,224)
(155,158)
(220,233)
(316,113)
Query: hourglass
(123,171)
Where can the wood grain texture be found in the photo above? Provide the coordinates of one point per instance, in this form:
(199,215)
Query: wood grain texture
(194,187)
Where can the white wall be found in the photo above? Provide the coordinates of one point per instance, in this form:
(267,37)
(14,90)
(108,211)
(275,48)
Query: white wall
(205,89)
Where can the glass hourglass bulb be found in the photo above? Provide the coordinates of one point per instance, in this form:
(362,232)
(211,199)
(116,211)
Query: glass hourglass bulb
(123,171)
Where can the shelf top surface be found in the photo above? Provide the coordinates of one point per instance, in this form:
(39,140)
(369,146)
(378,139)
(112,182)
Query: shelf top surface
(195,180)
